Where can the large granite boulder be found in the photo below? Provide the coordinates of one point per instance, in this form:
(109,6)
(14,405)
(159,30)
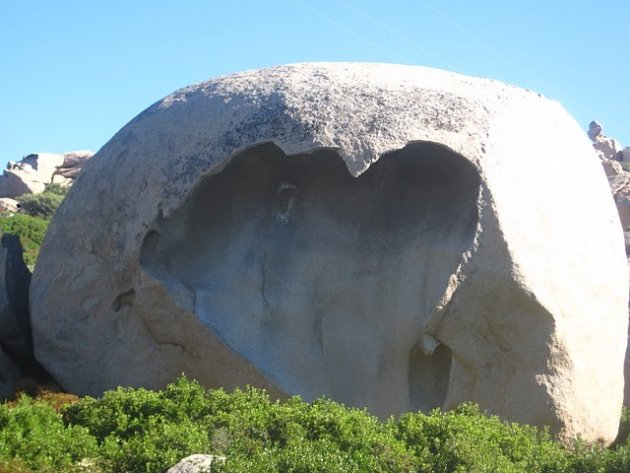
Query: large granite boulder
(389,236)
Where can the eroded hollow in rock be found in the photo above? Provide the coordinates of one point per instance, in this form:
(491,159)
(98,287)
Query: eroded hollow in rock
(322,280)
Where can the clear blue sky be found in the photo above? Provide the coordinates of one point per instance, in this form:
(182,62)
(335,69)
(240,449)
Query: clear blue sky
(74,72)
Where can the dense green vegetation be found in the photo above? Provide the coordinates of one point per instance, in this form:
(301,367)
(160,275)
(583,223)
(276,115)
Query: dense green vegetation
(43,205)
(31,223)
(136,430)
(30,230)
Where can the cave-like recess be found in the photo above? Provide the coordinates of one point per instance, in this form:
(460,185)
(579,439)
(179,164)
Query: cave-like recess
(322,280)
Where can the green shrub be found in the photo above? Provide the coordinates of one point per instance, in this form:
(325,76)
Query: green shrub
(467,440)
(31,223)
(57,189)
(145,431)
(295,436)
(137,430)
(31,231)
(44,204)
(624,427)
(33,433)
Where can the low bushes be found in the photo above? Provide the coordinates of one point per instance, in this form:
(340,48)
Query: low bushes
(136,430)
(44,204)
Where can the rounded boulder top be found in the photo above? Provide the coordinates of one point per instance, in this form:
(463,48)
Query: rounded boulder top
(393,237)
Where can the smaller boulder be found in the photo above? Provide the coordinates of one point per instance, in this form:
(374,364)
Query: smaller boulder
(9,375)
(197,463)
(15,325)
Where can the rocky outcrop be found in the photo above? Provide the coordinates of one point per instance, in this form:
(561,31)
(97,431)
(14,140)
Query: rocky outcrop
(620,187)
(68,171)
(30,175)
(35,171)
(619,181)
(608,149)
(613,157)
(388,236)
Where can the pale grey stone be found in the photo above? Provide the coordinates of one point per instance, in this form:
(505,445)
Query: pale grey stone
(198,463)
(9,205)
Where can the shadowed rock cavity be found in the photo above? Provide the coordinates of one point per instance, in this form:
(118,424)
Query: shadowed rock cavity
(322,280)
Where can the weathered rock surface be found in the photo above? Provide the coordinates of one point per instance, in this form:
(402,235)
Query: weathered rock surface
(388,236)
(16,348)
(9,375)
(198,463)
(73,162)
(620,188)
(32,173)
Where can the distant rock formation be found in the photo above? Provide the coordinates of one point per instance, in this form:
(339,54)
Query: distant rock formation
(613,157)
(388,236)
(35,171)
(73,162)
